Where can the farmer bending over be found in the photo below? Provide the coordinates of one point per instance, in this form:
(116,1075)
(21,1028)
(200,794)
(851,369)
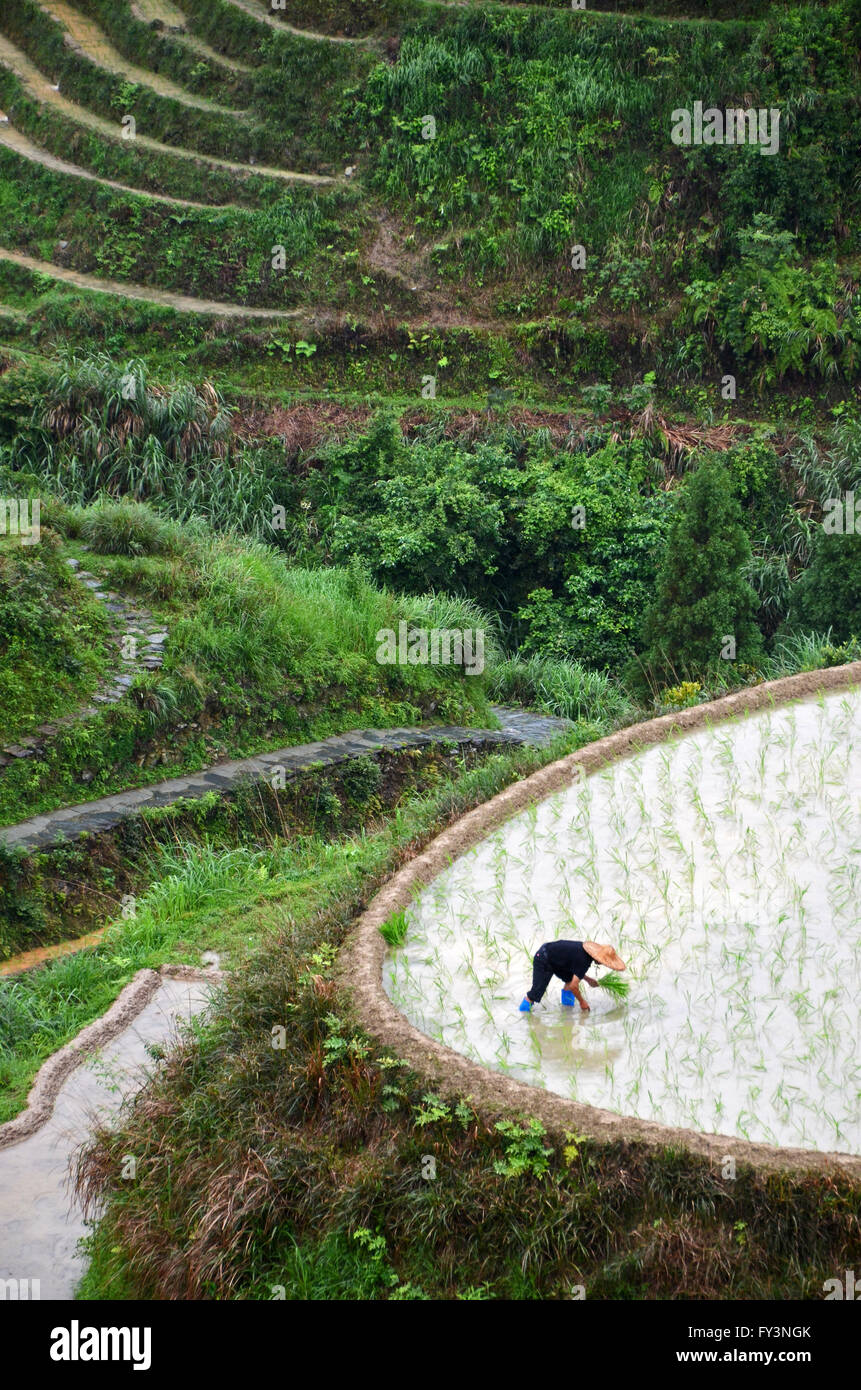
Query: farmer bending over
(569,960)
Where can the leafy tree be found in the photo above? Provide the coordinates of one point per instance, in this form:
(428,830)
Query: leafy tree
(420,517)
(589,531)
(702,597)
(562,545)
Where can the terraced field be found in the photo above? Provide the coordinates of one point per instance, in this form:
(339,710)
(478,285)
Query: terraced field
(48,93)
(81,35)
(127,290)
(314,117)
(163,144)
(15,140)
(160,13)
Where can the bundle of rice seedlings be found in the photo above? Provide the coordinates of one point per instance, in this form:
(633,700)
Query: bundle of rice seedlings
(615,985)
(394,929)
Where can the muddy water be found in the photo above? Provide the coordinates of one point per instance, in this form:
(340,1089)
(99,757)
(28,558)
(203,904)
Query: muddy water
(40,1224)
(726,868)
(27,960)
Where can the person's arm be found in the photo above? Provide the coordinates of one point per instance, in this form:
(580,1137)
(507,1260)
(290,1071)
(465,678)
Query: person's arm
(590,981)
(574,987)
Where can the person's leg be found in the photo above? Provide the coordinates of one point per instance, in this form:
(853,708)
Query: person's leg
(541,977)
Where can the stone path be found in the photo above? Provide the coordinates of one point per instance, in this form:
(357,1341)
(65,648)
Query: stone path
(92,817)
(140,642)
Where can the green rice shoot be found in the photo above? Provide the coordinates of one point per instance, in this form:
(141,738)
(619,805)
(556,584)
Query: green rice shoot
(617,986)
(394,929)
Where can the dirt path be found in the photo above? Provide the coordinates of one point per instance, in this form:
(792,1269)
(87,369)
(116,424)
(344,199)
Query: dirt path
(15,140)
(183,303)
(41,90)
(174,23)
(264,17)
(87,38)
(28,960)
(159,11)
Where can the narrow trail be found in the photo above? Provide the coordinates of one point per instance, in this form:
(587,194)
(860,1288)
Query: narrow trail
(159,11)
(47,94)
(28,960)
(90,817)
(186,304)
(89,40)
(174,24)
(21,144)
(128,623)
(264,17)
(183,303)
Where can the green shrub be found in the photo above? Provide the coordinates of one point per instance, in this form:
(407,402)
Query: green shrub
(775,313)
(51,635)
(828,594)
(499,519)
(702,597)
(124,528)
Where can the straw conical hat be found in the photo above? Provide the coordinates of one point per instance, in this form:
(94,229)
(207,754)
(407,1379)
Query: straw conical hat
(604,955)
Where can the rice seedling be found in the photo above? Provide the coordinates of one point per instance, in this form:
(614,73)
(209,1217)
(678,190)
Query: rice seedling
(394,929)
(616,986)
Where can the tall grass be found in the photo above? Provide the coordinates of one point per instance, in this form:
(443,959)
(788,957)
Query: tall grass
(307,630)
(43,1009)
(525,107)
(562,688)
(808,651)
(106,430)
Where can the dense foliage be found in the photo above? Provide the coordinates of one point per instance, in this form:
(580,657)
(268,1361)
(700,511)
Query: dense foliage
(703,609)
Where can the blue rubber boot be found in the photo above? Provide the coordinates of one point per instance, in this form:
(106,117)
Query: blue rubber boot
(526,1007)
(568,998)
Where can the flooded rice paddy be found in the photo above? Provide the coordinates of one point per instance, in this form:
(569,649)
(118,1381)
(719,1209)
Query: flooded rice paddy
(725,867)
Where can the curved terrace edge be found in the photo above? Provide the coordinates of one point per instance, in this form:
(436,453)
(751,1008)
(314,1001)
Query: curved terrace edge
(360,961)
